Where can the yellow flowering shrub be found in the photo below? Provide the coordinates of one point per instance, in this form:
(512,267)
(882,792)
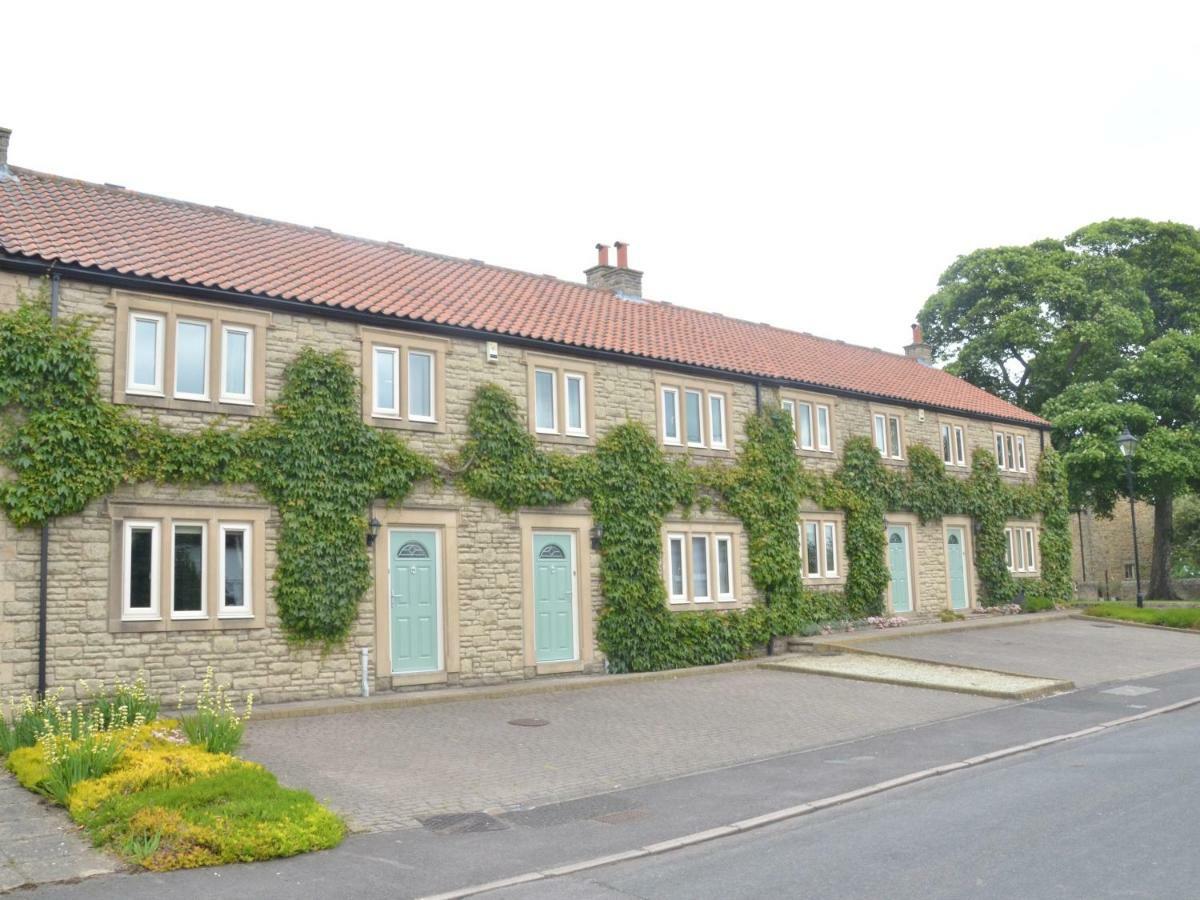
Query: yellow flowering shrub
(29,765)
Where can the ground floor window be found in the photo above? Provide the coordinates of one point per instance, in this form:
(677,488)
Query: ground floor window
(700,565)
(820,549)
(1020,548)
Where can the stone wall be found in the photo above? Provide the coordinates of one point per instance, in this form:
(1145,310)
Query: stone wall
(491,641)
(1102,554)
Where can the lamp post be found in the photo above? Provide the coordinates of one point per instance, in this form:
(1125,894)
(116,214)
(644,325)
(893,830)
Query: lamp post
(1128,444)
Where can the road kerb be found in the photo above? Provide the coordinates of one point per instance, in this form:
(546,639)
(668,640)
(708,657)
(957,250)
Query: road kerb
(803,809)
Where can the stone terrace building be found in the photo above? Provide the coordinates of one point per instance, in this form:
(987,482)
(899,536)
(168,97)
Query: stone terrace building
(196,311)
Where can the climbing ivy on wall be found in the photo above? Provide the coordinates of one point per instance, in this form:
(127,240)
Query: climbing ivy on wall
(314,459)
(321,466)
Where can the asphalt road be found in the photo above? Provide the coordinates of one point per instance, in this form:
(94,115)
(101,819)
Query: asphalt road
(1115,815)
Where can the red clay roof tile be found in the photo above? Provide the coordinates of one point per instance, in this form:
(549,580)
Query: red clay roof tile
(51,218)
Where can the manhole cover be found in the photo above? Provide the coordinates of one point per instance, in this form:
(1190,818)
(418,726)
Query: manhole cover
(463,823)
(1130,690)
(529,723)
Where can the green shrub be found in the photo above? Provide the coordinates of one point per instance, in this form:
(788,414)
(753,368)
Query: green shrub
(133,698)
(216,726)
(80,746)
(27,719)
(1187,617)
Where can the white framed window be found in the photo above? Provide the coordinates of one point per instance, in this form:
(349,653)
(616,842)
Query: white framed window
(237,364)
(234,562)
(1000,450)
(693,417)
(676,569)
(189,584)
(699,561)
(385,399)
(1009,558)
(421,386)
(880,432)
(960,445)
(954,449)
(831,553)
(545,401)
(191,359)
(670,410)
(789,407)
(147,348)
(1009,453)
(824,429)
(804,425)
(947,445)
(1030,544)
(1020,454)
(716,421)
(895,447)
(576,404)
(724,545)
(812,550)
(140,572)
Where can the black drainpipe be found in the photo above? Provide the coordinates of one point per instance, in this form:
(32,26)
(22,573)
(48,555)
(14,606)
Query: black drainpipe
(44,581)
(758,396)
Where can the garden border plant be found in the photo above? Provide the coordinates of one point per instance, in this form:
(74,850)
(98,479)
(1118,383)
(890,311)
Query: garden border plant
(322,466)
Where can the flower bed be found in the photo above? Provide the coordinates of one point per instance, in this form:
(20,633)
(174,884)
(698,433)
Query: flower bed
(142,790)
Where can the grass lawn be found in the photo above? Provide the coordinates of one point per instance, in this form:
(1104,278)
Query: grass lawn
(1182,617)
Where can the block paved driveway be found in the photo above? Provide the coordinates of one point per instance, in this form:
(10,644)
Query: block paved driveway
(384,769)
(1086,652)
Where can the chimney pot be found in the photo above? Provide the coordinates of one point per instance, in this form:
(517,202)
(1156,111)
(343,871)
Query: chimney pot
(918,349)
(916,327)
(622,254)
(5,134)
(602,254)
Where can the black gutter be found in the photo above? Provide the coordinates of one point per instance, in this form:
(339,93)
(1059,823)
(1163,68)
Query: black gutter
(302,307)
(44,574)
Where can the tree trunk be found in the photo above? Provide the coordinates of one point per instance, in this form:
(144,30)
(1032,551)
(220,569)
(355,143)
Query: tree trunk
(1160,564)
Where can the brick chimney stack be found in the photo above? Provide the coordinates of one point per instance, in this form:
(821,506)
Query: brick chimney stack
(620,279)
(5,174)
(918,349)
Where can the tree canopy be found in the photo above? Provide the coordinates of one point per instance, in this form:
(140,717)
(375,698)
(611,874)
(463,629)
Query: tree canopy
(1097,332)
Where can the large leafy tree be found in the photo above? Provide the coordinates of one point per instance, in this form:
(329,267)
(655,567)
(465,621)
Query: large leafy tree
(1095,332)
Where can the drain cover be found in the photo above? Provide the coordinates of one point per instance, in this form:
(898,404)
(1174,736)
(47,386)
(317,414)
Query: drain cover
(463,823)
(529,723)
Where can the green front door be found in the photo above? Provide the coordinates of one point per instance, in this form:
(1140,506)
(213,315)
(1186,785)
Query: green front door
(897,536)
(554,596)
(956,562)
(415,607)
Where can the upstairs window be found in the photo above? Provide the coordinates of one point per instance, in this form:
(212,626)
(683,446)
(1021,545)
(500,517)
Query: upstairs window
(954,445)
(181,355)
(1010,451)
(812,422)
(560,398)
(888,432)
(693,415)
(403,378)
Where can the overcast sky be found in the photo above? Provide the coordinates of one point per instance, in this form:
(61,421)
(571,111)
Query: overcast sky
(817,169)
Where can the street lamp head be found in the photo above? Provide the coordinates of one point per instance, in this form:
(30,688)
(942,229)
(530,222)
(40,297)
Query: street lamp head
(1127,442)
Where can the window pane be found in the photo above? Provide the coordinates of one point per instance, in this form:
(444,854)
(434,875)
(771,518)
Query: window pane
(692,413)
(724,576)
(894,435)
(830,548)
(804,412)
(676,545)
(191,353)
(812,550)
(699,567)
(716,419)
(1021,454)
(823,441)
(1008,547)
(420,385)
(947,449)
(1000,450)
(236,350)
(959,449)
(141,567)
(880,435)
(235,568)
(670,414)
(544,400)
(188,569)
(574,403)
(1008,451)
(385,381)
(1029,550)
(789,407)
(145,351)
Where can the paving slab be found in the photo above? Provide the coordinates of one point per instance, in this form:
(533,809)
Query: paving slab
(391,768)
(924,674)
(1084,652)
(40,844)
